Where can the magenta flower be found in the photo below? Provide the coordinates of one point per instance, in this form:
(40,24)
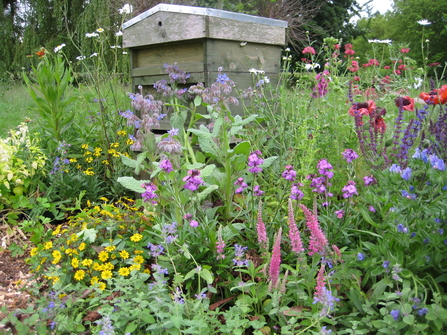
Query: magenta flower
(220,245)
(149,194)
(257,191)
(321,89)
(340,213)
(189,218)
(350,155)
(275,261)
(294,233)
(369,180)
(349,190)
(254,161)
(289,173)
(320,283)
(318,240)
(193,180)
(166,165)
(295,192)
(240,182)
(325,168)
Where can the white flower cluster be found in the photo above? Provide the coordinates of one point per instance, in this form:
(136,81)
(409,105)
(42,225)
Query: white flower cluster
(424,22)
(59,47)
(380,41)
(256,72)
(127,9)
(91,35)
(312,66)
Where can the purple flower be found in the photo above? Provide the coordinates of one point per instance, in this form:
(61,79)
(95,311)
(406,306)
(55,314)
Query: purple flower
(325,168)
(239,253)
(257,191)
(240,182)
(360,256)
(149,194)
(193,180)
(340,213)
(369,180)
(295,192)
(386,264)
(193,223)
(406,173)
(349,190)
(402,229)
(395,314)
(372,209)
(289,173)
(439,165)
(408,195)
(254,161)
(422,311)
(395,168)
(440,231)
(327,300)
(350,155)
(155,249)
(166,165)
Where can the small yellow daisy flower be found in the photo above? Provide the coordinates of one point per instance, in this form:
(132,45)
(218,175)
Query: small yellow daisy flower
(102,286)
(56,256)
(87,262)
(73,160)
(138,259)
(84,146)
(124,254)
(94,280)
(75,263)
(110,248)
(129,141)
(57,231)
(122,133)
(135,267)
(103,256)
(89,159)
(48,245)
(106,162)
(138,252)
(33,252)
(79,275)
(136,237)
(89,172)
(99,30)
(106,274)
(108,266)
(124,272)
(82,246)
(147,271)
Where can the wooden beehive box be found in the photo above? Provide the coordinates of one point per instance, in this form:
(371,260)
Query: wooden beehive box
(200,40)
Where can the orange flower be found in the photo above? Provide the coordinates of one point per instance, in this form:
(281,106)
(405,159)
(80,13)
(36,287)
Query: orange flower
(435,97)
(407,103)
(362,108)
(41,52)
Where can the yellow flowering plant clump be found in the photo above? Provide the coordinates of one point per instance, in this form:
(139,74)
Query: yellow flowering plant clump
(21,164)
(104,241)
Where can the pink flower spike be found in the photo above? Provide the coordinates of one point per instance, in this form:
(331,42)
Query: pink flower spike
(294,233)
(262,233)
(318,241)
(320,283)
(275,261)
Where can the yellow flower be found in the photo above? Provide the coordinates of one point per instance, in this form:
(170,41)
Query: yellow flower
(138,252)
(124,254)
(89,172)
(73,160)
(48,245)
(106,162)
(62,295)
(129,141)
(55,279)
(102,286)
(56,256)
(108,266)
(138,259)
(79,166)
(114,145)
(84,146)
(87,262)
(106,274)
(124,272)
(75,263)
(57,230)
(94,280)
(87,153)
(104,199)
(103,256)
(136,237)
(43,260)
(33,252)
(89,159)
(122,133)
(110,248)
(135,267)
(82,246)
(74,237)
(113,256)
(79,275)
(69,251)
(147,271)
(89,203)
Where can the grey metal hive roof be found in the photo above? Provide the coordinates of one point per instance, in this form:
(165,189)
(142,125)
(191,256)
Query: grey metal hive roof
(205,12)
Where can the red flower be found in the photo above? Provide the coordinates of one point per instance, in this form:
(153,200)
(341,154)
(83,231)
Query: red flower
(407,103)
(357,78)
(435,97)
(41,52)
(379,124)
(348,46)
(396,72)
(337,46)
(362,108)
(373,62)
(386,80)
(402,67)
(309,50)
(387,67)
(354,66)
(434,64)
(350,52)
(405,50)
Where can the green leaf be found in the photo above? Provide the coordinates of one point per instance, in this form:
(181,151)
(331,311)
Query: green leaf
(190,274)
(268,161)
(202,195)
(197,101)
(88,234)
(132,184)
(242,148)
(131,327)
(147,317)
(206,275)
(128,161)
(408,319)
(207,170)
(367,218)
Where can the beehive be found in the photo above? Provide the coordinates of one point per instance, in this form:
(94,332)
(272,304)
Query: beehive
(201,40)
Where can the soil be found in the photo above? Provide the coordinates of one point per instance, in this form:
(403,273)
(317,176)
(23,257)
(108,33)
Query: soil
(14,278)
